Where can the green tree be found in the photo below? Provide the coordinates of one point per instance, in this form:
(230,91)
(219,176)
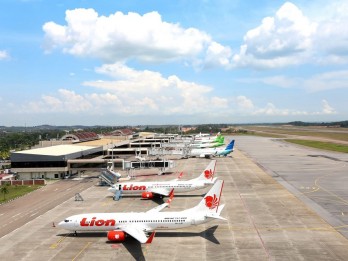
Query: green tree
(4,190)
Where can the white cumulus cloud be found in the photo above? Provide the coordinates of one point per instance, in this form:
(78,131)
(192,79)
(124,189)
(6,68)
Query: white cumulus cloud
(327,109)
(4,55)
(283,39)
(120,37)
(326,81)
(133,92)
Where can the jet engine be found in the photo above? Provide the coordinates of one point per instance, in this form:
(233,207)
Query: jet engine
(147,195)
(116,235)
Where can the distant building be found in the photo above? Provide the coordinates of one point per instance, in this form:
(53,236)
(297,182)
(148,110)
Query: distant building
(123,134)
(80,137)
(187,129)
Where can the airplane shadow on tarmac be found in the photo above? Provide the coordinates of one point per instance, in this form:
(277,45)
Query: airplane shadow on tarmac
(135,248)
(160,201)
(208,234)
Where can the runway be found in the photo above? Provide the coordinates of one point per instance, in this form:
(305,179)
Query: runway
(319,178)
(265,219)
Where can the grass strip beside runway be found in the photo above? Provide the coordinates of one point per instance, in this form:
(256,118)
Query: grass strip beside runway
(320,145)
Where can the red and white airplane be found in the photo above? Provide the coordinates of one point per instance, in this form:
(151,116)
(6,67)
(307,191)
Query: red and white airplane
(151,189)
(139,224)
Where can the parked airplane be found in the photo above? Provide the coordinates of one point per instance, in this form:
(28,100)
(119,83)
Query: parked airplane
(218,138)
(139,224)
(151,189)
(209,152)
(205,136)
(210,144)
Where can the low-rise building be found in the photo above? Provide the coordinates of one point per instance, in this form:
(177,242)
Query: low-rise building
(49,162)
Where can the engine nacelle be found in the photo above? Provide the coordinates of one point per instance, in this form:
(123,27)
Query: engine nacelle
(148,195)
(116,235)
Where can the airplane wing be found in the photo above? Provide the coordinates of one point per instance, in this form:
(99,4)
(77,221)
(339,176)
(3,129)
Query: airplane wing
(137,232)
(161,191)
(158,208)
(179,177)
(162,206)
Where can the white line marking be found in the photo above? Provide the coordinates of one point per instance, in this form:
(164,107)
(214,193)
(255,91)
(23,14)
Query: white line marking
(16,215)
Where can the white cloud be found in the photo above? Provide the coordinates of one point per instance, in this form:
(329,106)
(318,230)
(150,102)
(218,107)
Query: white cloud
(120,37)
(244,103)
(4,55)
(312,83)
(332,34)
(147,93)
(281,40)
(133,93)
(281,81)
(327,109)
(326,81)
(289,37)
(218,56)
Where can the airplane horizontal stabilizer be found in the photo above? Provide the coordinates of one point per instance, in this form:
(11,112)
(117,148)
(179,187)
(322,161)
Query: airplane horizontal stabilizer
(149,240)
(217,215)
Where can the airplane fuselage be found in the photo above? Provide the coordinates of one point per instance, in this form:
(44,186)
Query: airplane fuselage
(209,152)
(139,187)
(151,221)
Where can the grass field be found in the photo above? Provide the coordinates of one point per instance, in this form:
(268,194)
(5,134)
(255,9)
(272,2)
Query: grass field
(320,145)
(16,191)
(333,139)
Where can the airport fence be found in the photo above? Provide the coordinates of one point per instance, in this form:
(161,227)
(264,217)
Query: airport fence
(23,182)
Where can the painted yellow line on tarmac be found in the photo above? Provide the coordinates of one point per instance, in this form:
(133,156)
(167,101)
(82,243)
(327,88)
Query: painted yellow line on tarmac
(55,245)
(329,192)
(83,249)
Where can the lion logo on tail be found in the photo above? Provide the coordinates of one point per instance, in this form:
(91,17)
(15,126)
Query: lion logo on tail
(211,201)
(208,174)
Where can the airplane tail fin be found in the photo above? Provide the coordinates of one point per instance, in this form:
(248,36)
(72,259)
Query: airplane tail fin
(230,145)
(211,201)
(219,139)
(208,173)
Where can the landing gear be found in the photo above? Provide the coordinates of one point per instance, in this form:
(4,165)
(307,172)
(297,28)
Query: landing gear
(118,195)
(75,233)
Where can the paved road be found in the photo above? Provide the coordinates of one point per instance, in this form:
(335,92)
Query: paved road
(18,212)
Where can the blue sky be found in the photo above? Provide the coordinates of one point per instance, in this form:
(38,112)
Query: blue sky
(172,62)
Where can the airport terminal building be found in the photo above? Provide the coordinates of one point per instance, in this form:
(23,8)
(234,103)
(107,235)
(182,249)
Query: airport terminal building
(84,151)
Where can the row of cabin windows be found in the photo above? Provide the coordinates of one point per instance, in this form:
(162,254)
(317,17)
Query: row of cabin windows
(179,186)
(153,221)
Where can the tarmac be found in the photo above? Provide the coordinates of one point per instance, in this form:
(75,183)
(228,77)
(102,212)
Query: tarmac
(269,217)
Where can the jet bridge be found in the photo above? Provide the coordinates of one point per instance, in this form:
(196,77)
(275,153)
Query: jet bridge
(182,151)
(162,164)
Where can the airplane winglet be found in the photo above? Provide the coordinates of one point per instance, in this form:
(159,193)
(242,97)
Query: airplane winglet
(149,240)
(180,175)
(171,196)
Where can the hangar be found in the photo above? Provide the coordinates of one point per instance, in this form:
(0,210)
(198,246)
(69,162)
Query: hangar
(50,162)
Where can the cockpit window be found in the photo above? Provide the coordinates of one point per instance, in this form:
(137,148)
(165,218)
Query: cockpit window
(66,220)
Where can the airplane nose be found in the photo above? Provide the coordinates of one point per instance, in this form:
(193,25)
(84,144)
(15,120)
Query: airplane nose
(61,224)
